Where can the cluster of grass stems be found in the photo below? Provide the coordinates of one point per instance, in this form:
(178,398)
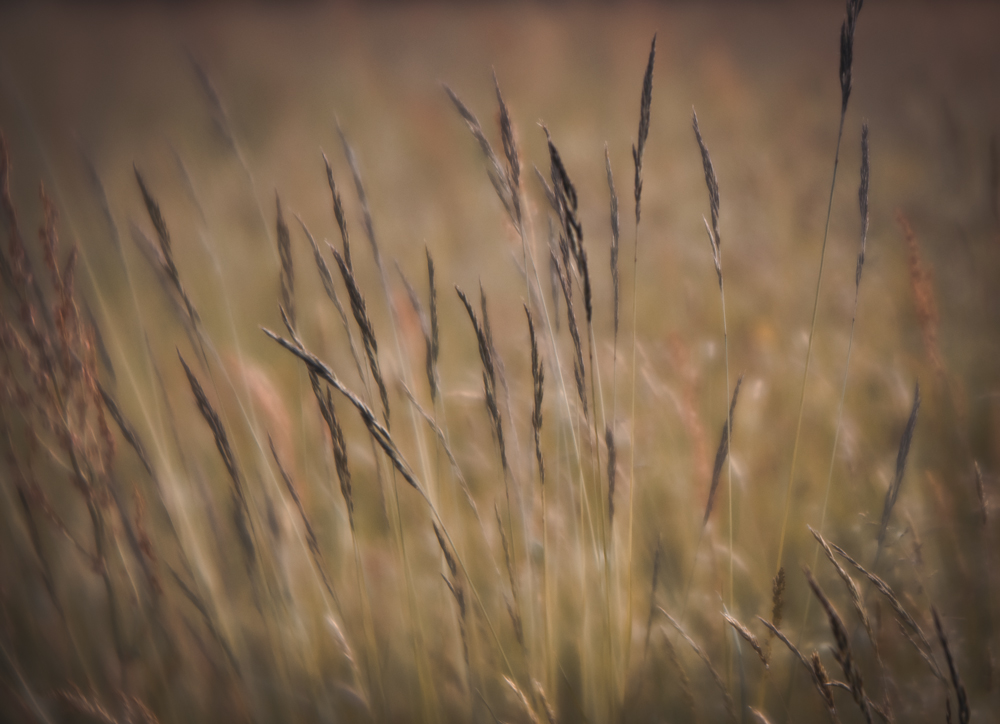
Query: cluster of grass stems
(374,560)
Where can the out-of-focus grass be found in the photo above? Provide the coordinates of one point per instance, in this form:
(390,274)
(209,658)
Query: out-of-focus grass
(120,87)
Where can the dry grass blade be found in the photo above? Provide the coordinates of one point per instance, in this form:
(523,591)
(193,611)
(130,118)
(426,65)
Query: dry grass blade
(722,452)
(956,681)
(759,716)
(730,707)
(747,636)
(842,649)
(924,296)
(644,106)
(287,269)
(904,449)
(852,587)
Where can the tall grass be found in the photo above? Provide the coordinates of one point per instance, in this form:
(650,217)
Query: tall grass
(301,530)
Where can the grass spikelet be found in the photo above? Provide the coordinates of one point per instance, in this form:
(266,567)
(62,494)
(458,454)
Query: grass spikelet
(747,636)
(448,558)
(218,432)
(550,714)
(820,684)
(434,346)
(645,102)
(241,508)
(364,324)
(778,598)
(579,371)
(822,678)
(532,716)
(924,297)
(287,269)
(638,150)
(609,440)
(964,715)
(496,172)
(721,452)
(713,196)
(847,51)
(538,386)
(842,649)
(166,257)
(513,161)
(901,613)
(615,291)
(852,587)
(897,481)
(331,292)
(366,212)
(489,373)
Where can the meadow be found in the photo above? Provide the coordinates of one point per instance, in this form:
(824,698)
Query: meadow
(518,363)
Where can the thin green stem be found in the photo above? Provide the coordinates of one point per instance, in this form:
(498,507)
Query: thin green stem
(805,373)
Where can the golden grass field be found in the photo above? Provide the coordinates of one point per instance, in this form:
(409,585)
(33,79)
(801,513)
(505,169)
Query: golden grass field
(182,545)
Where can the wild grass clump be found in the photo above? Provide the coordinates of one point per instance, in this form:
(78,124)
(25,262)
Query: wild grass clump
(419,506)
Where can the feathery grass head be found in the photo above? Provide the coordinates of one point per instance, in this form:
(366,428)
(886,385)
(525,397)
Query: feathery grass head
(722,452)
(640,147)
(847,51)
(897,481)
(287,269)
(863,201)
(615,291)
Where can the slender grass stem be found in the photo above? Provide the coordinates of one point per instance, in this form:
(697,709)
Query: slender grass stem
(809,347)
